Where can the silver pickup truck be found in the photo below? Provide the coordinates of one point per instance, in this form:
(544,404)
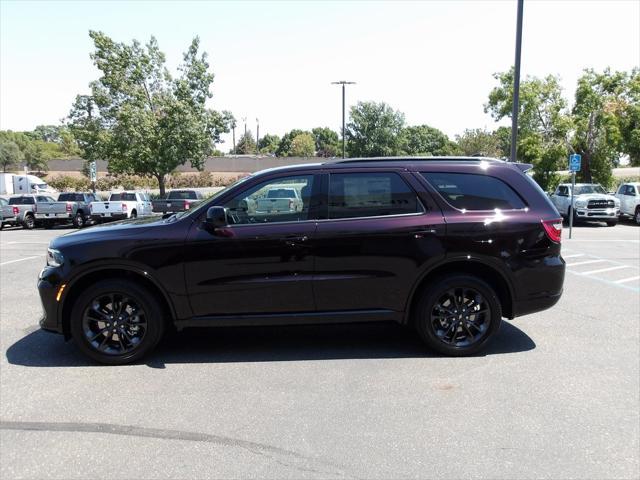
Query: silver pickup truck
(22,210)
(71,207)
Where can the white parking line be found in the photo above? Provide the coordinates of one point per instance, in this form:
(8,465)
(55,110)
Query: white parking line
(573,255)
(21,259)
(625,280)
(584,263)
(610,269)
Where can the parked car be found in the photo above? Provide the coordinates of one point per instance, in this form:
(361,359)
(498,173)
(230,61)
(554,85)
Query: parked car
(177,201)
(121,205)
(71,207)
(3,203)
(629,196)
(449,246)
(591,201)
(23,209)
(280,199)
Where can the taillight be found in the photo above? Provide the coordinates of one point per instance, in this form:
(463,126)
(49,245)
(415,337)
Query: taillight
(16,211)
(69,207)
(553,228)
(187,205)
(124,207)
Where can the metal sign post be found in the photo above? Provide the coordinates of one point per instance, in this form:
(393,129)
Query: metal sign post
(93,175)
(574,166)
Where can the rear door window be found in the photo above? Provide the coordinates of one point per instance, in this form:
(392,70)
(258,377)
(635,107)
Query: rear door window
(375,194)
(469,191)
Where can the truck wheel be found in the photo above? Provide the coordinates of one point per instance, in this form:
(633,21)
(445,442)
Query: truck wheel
(78,220)
(134,214)
(637,216)
(29,222)
(612,223)
(459,316)
(48,225)
(116,322)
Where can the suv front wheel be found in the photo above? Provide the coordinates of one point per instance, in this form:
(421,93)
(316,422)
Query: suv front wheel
(116,322)
(458,315)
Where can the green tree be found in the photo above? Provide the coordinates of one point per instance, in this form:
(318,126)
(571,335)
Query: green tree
(141,119)
(479,142)
(374,130)
(327,142)
(303,145)
(10,154)
(284,148)
(246,144)
(425,140)
(269,144)
(630,119)
(598,107)
(543,124)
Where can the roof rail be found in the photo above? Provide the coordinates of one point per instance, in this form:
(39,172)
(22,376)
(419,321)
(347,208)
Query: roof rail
(415,159)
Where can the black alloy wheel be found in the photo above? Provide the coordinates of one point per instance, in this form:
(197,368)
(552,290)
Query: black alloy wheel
(459,316)
(117,322)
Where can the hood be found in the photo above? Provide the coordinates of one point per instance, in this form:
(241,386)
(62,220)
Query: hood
(124,228)
(595,196)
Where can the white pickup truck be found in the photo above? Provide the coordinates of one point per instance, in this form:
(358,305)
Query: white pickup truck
(281,199)
(629,196)
(121,205)
(591,201)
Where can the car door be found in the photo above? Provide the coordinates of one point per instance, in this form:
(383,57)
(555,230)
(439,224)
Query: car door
(628,200)
(261,263)
(377,236)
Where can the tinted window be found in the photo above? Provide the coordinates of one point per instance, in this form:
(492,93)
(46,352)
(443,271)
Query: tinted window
(73,197)
(187,195)
(468,191)
(125,197)
(21,201)
(631,190)
(256,206)
(370,195)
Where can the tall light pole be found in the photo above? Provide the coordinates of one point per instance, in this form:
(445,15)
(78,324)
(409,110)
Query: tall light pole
(244,119)
(343,83)
(516,84)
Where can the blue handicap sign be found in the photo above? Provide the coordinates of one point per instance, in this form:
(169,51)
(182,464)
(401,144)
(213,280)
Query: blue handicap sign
(574,162)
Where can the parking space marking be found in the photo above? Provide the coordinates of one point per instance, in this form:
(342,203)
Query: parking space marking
(573,255)
(608,269)
(629,279)
(21,260)
(584,263)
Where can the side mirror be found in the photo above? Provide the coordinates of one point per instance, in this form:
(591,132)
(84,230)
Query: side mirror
(216,218)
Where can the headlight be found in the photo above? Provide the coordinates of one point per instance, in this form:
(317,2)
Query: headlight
(54,258)
(581,203)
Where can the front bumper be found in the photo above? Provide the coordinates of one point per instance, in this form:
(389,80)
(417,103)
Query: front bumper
(49,283)
(597,213)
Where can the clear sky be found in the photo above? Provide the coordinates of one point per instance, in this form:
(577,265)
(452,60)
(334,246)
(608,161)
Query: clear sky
(432,60)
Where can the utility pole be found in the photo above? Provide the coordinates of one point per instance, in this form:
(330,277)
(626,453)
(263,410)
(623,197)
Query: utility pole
(516,84)
(257,136)
(244,119)
(343,83)
(233,129)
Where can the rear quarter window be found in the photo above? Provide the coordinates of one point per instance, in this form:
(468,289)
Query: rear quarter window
(21,201)
(469,191)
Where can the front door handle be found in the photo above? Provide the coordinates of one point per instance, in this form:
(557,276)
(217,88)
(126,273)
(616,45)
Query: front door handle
(295,240)
(424,232)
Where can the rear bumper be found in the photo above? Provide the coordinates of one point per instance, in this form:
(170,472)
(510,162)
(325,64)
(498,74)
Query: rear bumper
(101,217)
(533,305)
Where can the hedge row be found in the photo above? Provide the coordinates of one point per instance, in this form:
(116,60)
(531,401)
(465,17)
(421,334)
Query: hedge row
(129,182)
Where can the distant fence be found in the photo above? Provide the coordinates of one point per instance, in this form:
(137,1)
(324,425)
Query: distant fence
(247,164)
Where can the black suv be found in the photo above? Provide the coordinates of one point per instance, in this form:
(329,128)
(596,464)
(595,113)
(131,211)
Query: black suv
(449,246)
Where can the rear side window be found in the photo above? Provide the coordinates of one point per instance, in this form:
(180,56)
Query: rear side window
(370,195)
(21,201)
(70,197)
(125,197)
(468,191)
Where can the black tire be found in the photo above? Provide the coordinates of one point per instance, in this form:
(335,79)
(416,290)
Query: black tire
(134,214)
(29,222)
(433,328)
(95,317)
(78,220)
(575,216)
(612,223)
(48,225)
(636,216)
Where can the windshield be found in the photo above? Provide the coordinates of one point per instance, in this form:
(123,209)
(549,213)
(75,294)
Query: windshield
(205,204)
(586,189)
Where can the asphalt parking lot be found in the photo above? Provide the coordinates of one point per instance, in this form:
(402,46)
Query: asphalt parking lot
(557,395)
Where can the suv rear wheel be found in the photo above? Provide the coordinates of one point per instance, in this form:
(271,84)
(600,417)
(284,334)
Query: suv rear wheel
(458,316)
(116,322)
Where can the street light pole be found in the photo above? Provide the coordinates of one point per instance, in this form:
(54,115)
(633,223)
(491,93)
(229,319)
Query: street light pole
(257,136)
(343,83)
(516,84)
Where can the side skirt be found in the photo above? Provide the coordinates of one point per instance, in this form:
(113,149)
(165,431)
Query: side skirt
(299,318)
